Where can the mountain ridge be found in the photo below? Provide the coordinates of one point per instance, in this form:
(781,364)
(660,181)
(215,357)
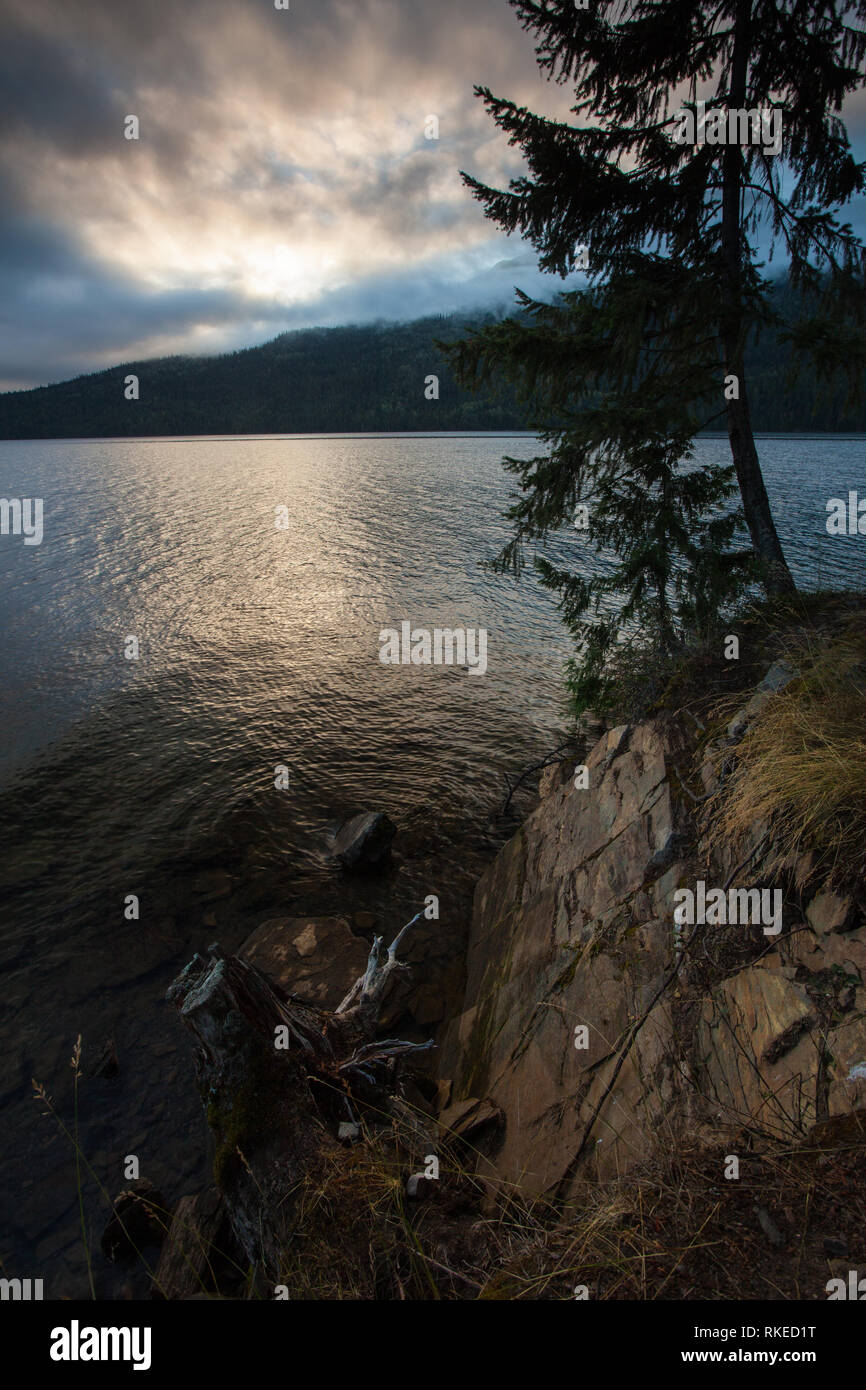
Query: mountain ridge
(356,378)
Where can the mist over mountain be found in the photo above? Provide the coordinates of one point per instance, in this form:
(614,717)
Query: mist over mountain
(354,379)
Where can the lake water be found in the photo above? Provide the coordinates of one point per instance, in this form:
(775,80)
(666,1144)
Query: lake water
(258,647)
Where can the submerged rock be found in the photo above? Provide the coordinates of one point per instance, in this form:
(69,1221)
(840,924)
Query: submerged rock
(317,957)
(212,884)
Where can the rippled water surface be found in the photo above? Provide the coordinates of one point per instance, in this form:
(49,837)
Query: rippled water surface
(258,646)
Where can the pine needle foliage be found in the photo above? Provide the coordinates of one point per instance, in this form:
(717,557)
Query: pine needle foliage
(620,376)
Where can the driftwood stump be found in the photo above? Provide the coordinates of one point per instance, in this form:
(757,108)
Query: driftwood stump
(279,1078)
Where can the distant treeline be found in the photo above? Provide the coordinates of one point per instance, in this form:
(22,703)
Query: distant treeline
(354,379)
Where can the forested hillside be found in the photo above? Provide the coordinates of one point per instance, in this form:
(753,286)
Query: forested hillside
(354,379)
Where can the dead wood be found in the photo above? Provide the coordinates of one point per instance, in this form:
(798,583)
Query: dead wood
(277,1078)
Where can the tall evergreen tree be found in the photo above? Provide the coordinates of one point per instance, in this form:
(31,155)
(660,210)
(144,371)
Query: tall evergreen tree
(670,217)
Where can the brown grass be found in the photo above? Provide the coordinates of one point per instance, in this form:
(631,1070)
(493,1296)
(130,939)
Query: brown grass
(675,1229)
(802,762)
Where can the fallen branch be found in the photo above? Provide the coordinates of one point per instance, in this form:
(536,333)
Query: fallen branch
(369,989)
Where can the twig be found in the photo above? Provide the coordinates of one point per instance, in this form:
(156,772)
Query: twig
(682,781)
(455,1273)
(546,761)
(749,857)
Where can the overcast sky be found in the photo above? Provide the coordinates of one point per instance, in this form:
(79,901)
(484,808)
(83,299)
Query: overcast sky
(282,177)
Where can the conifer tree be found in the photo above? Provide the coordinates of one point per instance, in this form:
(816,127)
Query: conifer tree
(668,221)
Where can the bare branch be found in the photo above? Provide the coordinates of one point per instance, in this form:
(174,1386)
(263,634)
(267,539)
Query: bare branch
(361,1004)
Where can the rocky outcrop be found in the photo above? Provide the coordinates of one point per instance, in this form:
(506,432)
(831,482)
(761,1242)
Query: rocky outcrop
(652,976)
(571,936)
(596,1029)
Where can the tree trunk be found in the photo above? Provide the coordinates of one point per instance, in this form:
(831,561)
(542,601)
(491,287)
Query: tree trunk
(756,505)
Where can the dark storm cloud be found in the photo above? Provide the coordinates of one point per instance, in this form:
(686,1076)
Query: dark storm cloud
(55,92)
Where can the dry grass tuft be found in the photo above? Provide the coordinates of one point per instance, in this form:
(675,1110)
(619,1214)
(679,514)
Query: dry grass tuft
(675,1229)
(802,763)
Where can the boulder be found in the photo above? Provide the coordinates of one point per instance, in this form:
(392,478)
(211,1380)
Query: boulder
(212,884)
(779,675)
(364,842)
(828,912)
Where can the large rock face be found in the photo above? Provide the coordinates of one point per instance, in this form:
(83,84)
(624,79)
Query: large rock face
(576,1026)
(571,928)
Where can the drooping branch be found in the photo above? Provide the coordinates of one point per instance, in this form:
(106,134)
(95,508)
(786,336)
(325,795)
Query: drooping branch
(547,761)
